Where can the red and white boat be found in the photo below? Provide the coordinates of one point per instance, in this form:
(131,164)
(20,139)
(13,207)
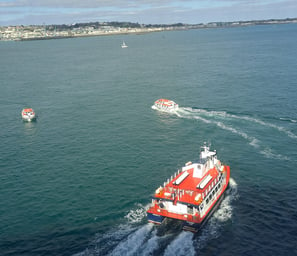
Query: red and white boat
(28,114)
(165,105)
(192,194)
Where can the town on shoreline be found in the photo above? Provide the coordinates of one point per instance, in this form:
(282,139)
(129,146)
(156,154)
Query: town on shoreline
(45,32)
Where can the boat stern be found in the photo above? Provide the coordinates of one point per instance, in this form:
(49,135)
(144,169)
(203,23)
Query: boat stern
(155,218)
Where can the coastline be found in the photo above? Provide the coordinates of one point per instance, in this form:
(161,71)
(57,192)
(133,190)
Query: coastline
(49,32)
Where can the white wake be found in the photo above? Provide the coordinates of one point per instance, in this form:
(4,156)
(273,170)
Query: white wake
(135,238)
(226,121)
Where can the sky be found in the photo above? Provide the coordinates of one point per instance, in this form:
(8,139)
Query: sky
(39,12)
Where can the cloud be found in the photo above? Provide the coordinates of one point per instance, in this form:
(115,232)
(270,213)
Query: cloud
(142,11)
(79,3)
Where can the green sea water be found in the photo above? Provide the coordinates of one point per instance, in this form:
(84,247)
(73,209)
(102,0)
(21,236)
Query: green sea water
(79,179)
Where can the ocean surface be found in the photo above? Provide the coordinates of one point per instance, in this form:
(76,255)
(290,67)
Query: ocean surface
(78,181)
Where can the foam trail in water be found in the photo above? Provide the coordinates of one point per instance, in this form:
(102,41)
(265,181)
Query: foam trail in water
(223,114)
(151,245)
(224,213)
(141,239)
(103,242)
(252,141)
(182,245)
(185,114)
(129,239)
(212,230)
(201,114)
(138,214)
(288,119)
(125,235)
(131,245)
(279,128)
(268,153)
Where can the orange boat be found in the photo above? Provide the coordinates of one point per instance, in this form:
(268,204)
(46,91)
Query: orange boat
(28,114)
(165,105)
(193,193)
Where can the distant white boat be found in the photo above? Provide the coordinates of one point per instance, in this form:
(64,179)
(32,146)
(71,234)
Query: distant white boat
(124,45)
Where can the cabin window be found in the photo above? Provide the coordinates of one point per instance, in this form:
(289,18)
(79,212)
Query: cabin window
(207,200)
(190,210)
(201,206)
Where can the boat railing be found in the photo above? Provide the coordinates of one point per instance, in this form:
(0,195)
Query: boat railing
(182,195)
(189,216)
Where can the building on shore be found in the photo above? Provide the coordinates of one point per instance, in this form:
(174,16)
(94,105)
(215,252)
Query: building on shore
(42,32)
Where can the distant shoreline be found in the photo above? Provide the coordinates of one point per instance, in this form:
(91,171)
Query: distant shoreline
(50,32)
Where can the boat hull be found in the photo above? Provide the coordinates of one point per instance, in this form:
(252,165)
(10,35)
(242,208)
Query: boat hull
(165,105)
(195,227)
(187,225)
(168,110)
(154,218)
(28,119)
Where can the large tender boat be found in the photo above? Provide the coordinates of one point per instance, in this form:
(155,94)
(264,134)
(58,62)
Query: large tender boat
(28,114)
(192,194)
(165,105)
